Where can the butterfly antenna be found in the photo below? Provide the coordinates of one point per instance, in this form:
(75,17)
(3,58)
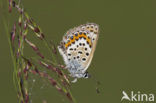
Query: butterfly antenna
(98,84)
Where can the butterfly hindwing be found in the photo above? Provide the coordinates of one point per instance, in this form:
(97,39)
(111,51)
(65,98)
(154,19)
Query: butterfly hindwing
(77,48)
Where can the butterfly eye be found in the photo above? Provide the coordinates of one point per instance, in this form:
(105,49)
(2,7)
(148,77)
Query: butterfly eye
(86,75)
(80,33)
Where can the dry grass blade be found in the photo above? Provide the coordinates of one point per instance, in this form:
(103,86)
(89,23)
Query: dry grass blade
(23,65)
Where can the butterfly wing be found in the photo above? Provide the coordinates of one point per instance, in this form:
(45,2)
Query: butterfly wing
(78,46)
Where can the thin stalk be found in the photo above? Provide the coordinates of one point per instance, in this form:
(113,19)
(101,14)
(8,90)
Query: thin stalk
(15,76)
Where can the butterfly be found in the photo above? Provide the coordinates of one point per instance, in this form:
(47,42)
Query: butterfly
(77,49)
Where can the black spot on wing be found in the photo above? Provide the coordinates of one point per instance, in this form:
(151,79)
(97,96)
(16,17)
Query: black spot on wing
(87,54)
(83,59)
(80,52)
(69,54)
(71,49)
(83,44)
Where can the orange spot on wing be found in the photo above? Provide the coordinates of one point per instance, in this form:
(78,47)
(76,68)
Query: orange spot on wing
(77,37)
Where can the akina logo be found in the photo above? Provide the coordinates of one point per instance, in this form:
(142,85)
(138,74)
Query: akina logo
(137,96)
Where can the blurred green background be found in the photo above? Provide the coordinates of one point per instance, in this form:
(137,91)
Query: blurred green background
(125,57)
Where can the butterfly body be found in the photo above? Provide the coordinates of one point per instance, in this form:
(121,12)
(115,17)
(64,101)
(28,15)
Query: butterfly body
(77,48)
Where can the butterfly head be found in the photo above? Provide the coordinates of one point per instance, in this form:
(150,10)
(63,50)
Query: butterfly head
(86,75)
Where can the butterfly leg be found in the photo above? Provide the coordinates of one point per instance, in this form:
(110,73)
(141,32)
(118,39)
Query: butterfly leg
(74,81)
